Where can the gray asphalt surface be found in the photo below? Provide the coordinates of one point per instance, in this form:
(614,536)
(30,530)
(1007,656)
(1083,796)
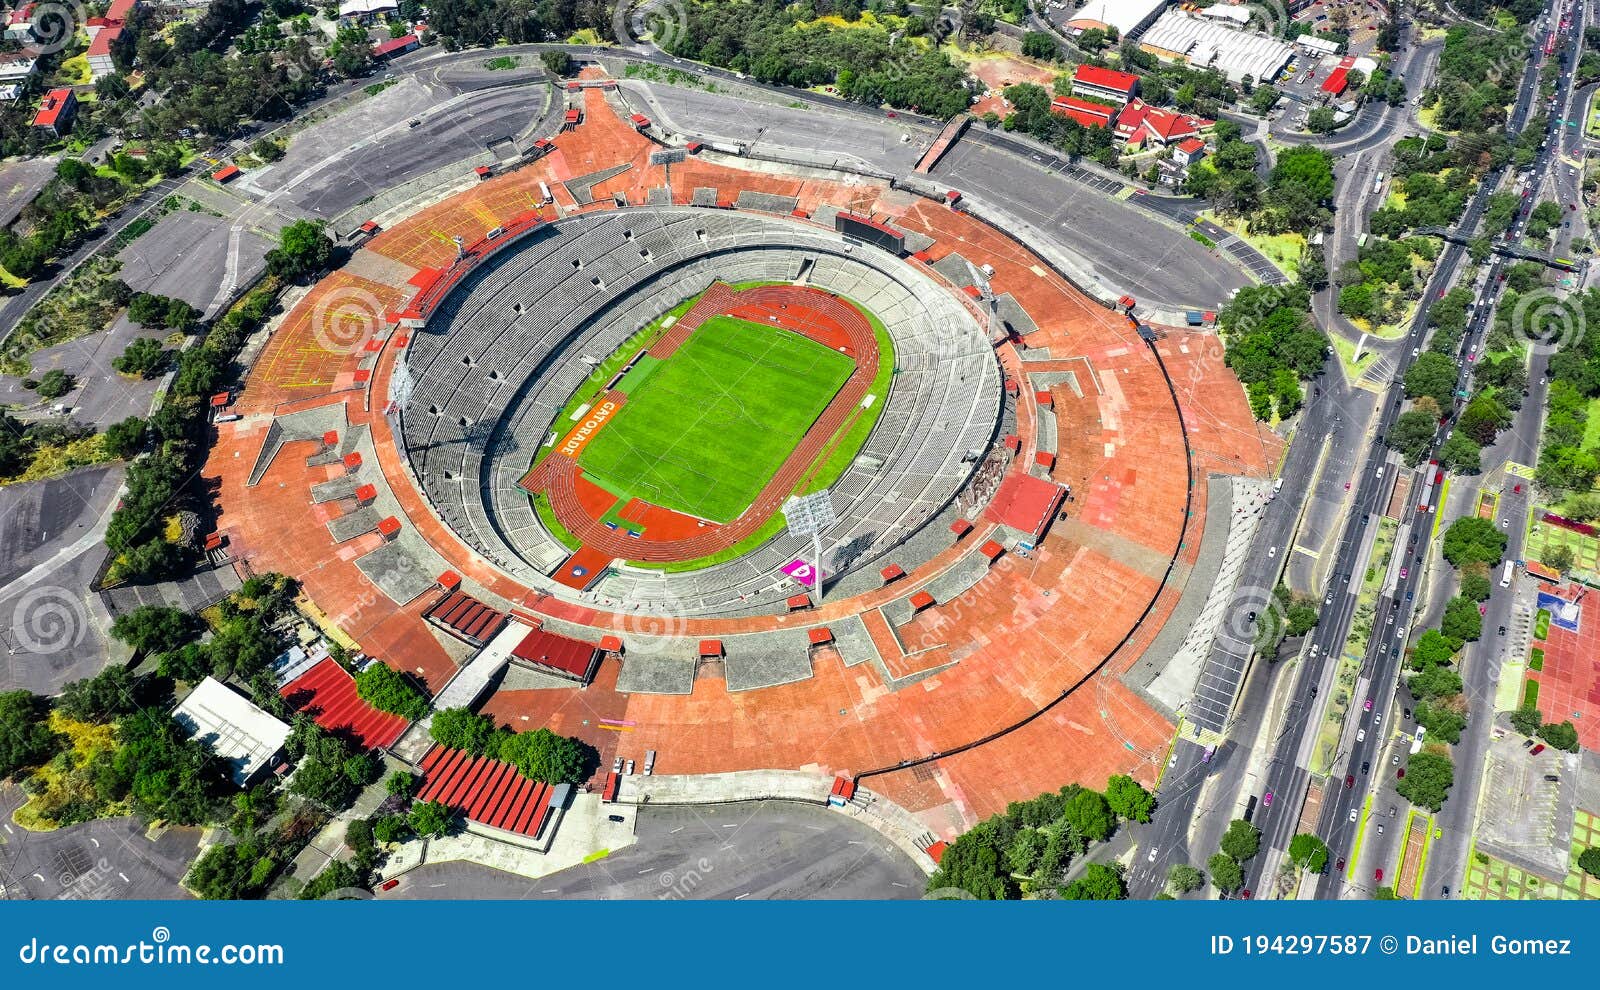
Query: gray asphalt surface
(49,551)
(767,851)
(1147,258)
(100,860)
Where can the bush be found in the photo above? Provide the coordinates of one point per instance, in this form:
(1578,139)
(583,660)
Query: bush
(1589,861)
(402,785)
(53,384)
(431,819)
(1562,736)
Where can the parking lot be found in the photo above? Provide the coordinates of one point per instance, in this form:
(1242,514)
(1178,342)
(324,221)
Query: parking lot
(771,850)
(113,859)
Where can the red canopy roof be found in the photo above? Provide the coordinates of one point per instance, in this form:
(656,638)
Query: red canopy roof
(1024,502)
(1093,75)
(563,653)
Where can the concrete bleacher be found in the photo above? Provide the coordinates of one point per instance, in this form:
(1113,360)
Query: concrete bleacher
(506,351)
(750,199)
(653,673)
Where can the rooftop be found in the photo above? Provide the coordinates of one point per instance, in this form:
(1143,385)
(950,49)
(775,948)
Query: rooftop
(232,727)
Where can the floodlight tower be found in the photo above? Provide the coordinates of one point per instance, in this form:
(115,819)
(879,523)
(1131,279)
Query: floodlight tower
(809,515)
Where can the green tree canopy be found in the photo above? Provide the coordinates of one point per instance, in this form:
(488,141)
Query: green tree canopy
(1308,852)
(1241,841)
(1128,799)
(1428,779)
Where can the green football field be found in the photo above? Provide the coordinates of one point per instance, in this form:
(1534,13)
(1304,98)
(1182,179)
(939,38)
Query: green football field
(711,425)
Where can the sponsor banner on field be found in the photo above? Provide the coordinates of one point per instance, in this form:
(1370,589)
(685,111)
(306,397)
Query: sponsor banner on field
(580,436)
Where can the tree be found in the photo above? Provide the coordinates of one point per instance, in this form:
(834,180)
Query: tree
(1128,799)
(1461,622)
(1562,736)
(460,728)
(1412,435)
(545,756)
(1589,861)
(148,310)
(430,819)
(1435,682)
(1241,841)
(1308,852)
(1089,813)
(124,439)
(1470,539)
(25,739)
(1434,375)
(141,358)
(1527,720)
(337,875)
(1428,779)
(1226,874)
(1183,878)
(1558,557)
(303,250)
(154,628)
(1432,649)
(1321,120)
(557,63)
(1040,45)
(391,828)
(108,695)
(1100,882)
(402,785)
(386,689)
(1461,453)
(53,384)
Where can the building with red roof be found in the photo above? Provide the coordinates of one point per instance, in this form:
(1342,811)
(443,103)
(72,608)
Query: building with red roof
(464,617)
(57,112)
(100,63)
(19,23)
(490,793)
(560,655)
(1025,503)
(393,47)
(1189,151)
(327,693)
(1105,84)
(1083,111)
(1139,124)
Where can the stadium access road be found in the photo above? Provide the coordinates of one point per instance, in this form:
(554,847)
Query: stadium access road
(109,859)
(767,851)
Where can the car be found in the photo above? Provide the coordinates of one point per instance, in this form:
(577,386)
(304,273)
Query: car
(1349,780)
(1339,866)
(1361,735)
(1152,857)
(630,768)
(1273,552)
(1400,774)
(1391,811)
(1366,766)
(1328,600)
(1405,572)
(1245,893)
(1347,486)
(1516,489)
(1377,718)
(1378,875)
(1266,800)
(1353,814)
(1535,751)
(1396,761)
(1446,891)
(616,765)
(615,818)
(1552,778)
(1502,630)
(1380,828)
(1368,706)
(1172,762)
(1526,743)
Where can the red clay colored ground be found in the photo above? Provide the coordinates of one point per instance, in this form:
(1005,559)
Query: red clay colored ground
(1569,684)
(1016,640)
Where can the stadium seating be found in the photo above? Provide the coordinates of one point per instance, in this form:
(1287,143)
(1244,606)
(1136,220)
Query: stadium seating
(504,353)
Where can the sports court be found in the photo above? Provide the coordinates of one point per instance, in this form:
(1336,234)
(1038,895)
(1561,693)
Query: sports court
(1569,683)
(712,424)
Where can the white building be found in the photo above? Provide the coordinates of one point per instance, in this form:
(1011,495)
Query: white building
(1207,43)
(1318,46)
(1129,17)
(231,726)
(365,10)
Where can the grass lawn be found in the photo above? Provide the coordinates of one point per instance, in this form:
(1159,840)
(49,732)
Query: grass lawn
(1591,426)
(709,428)
(1541,624)
(1535,659)
(1530,694)
(1494,879)
(1542,537)
(1346,350)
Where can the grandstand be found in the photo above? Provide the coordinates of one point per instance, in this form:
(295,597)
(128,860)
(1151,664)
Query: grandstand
(486,379)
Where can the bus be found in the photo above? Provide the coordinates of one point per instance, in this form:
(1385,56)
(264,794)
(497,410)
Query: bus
(1506,572)
(1566,263)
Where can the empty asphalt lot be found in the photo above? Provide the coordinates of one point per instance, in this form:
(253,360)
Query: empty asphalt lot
(1127,248)
(766,851)
(101,860)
